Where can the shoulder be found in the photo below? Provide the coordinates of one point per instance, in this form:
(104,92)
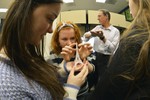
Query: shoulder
(131,44)
(114,28)
(135,37)
(11,80)
(98,26)
(12,83)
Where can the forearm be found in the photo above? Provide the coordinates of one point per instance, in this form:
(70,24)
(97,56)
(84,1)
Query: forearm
(63,70)
(110,46)
(91,67)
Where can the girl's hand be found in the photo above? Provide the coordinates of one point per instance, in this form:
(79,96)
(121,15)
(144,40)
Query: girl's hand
(85,49)
(79,78)
(70,65)
(68,52)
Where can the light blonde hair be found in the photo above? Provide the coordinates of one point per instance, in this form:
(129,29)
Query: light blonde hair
(140,24)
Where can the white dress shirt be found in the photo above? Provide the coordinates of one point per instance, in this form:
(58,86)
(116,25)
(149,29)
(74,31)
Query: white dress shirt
(112,36)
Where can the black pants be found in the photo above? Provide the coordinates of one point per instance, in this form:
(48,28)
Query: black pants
(100,63)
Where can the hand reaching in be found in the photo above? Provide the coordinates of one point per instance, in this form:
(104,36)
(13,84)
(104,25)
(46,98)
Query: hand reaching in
(79,78)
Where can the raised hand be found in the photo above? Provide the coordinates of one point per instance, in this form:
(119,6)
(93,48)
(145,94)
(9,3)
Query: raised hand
(85,49)
(97,33)
(68,52)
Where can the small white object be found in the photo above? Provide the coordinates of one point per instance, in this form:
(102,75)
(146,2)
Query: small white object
(77,58)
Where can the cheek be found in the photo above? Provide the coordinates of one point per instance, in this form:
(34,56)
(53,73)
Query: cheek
(42,28)
(73,41)
(38,34)
(62,43)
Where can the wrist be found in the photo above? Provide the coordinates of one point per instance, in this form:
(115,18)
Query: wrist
(65,67)
(102,37)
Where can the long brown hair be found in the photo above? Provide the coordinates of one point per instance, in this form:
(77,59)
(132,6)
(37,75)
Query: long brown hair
(28,58)
(141,24)
(56,48)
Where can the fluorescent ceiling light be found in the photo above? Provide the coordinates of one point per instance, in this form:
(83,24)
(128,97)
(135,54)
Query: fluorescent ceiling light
(101,1)
(68,1)
(3,10)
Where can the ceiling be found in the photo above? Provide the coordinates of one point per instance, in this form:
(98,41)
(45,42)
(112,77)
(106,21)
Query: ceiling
(112,5)
(116,6)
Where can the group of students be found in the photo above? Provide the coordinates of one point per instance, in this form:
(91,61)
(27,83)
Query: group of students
(25,74)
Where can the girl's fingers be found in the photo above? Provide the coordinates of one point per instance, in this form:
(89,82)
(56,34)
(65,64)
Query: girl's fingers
(72,71)
(78,67)
(84,60)
(83,71)
(63,53)
(84,44)
(86,73)
(67,49)
(73,46)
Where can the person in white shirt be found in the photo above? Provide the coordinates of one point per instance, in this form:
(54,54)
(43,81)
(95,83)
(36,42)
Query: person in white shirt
(105,40)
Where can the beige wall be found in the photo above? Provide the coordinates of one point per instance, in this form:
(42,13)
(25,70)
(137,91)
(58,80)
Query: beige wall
(76,16)
(116,19)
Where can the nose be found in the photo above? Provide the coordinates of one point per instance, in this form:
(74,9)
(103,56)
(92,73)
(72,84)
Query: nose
(50,30)
(69,42)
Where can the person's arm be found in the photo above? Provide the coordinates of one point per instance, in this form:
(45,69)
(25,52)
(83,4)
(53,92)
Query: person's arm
(90,66)
(71,92)
(85,49)
(110,46)
(63,70)
(75,81)
(88,34)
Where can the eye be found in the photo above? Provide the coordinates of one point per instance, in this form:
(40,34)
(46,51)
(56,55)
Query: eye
(73,38)
(64,39)
(51,20)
